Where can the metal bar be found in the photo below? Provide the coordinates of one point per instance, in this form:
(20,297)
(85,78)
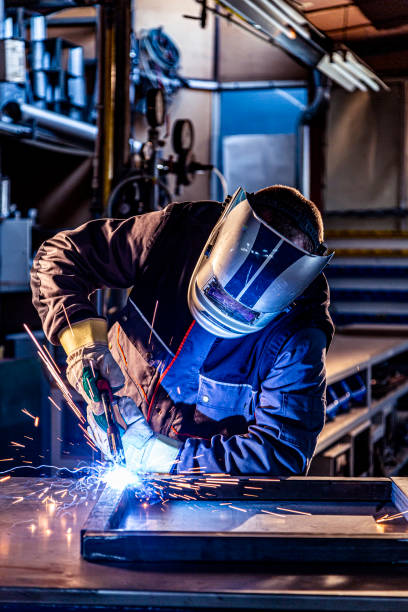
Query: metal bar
(215,138)
(237,85)
(103,159)
(2,18)
(60,123)
(216,45)
(73,22)
(121,118)
(209,85)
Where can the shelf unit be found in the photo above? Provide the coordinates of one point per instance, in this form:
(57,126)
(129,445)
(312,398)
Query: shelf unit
(349,443)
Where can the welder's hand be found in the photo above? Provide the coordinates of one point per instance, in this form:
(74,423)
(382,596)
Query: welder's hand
(86,345)
(145,451)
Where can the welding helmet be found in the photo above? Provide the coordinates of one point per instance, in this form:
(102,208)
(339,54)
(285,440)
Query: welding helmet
(248,273)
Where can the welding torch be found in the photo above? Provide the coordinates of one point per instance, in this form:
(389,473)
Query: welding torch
(99,390)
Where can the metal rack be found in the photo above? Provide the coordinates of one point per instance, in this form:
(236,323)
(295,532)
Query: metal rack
(349,441)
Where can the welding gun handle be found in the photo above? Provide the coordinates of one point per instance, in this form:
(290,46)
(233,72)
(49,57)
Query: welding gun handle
(113,433)
(107,407)
(104,388)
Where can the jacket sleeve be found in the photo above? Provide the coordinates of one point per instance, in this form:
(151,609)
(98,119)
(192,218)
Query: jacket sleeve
(289,416)
(69,267)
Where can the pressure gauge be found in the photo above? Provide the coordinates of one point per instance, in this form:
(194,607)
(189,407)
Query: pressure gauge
(183,136)
(155,107)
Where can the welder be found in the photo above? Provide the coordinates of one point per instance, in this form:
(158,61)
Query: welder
(217,360)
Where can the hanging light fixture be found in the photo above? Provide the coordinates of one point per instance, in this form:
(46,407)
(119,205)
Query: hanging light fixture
(289,29)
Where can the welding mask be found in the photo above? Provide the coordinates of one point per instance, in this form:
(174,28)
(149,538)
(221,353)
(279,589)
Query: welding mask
(248,273)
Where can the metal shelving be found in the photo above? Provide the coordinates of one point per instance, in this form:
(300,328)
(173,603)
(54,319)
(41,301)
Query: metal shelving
(357,432)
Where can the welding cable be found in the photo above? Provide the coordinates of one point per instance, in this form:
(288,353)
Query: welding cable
(223,182)
(160,49)
(168,369)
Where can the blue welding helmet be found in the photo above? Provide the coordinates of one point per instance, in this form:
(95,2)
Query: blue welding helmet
(247,273)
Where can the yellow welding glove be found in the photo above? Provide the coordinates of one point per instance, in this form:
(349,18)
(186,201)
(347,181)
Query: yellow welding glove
(86,345)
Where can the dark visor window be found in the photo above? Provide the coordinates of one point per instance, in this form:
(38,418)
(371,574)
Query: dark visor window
(216,294)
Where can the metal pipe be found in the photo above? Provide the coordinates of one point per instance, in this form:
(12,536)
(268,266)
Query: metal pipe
(50,120)
(303,135)
(103,157)
(2,18)
(121,117)
(53,121)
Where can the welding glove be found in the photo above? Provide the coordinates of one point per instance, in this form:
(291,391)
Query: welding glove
(86,345)
(145,451)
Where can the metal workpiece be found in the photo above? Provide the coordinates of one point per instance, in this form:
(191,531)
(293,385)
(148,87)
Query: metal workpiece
(40,562)
(252,519)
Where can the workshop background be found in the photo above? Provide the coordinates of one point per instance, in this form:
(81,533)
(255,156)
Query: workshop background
(115,109)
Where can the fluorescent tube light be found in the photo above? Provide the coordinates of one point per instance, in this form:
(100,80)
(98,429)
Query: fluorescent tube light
(331,70)
(276,24)
(290,11)
(367,75)
(362,76)
(337,58)
(269,8)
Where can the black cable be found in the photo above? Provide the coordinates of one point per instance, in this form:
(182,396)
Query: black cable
(129,179)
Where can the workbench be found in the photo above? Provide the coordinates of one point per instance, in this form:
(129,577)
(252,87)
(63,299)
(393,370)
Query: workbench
(41,566)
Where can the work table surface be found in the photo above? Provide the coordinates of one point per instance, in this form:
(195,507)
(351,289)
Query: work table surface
(40,561)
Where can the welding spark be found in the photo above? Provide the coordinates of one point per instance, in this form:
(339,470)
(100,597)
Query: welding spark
(54,403)
(387,517)
(294,511)
(153,320)
(272,513)
(68,321)
(55,375)
(51,359)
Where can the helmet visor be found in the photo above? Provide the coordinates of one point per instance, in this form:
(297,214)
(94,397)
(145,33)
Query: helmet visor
(248,272)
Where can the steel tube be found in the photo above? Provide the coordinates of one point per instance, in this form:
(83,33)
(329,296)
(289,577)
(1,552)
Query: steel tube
(57,122)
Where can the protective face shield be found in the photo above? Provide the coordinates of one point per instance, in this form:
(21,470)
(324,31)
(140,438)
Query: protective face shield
(248,273)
